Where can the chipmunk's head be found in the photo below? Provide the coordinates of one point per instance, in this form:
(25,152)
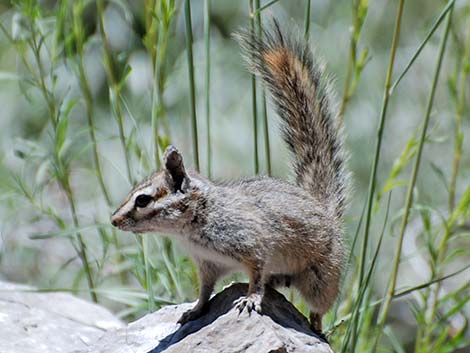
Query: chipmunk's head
(160,203)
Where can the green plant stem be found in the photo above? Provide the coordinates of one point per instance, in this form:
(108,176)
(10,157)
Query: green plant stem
(409,197)
(91,128)
(63,179)
(383,114)
(458,120)
(373,174)
(307,20)
(114,86)
(192,89)
(156,102)
(359,13)
(253,14)
(365,292)
(347,81)
(443,246)
(47,97)
(82,248)
(434,27)
(207,47)
(85,87)
(264,114)
(254,106)
(158,53)
(148,273)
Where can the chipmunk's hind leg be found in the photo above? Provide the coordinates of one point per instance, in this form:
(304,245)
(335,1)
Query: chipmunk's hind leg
(317,292)
(209,273)
(315,321)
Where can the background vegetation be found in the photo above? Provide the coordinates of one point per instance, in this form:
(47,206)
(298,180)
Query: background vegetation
(92,92)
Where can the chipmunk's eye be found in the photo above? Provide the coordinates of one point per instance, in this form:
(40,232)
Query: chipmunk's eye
(143,200)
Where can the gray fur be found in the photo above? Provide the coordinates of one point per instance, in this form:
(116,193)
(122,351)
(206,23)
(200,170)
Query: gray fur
(277,232)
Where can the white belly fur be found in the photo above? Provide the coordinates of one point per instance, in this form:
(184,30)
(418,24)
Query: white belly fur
(209,255)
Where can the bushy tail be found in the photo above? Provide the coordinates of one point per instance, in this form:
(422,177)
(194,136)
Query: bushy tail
(300,92)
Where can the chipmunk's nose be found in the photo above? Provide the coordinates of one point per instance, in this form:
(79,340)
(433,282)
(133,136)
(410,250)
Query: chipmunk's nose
(116,220)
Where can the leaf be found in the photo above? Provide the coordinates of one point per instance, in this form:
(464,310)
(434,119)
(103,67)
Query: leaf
(67,233)
(393,184)
(440,175)
(454,254)
(456,308)
(61,133)
(462,208)
(397,347)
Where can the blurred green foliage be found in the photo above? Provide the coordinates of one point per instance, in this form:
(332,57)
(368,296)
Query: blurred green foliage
(93,91)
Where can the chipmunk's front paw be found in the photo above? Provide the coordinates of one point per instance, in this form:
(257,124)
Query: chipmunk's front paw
(249,303)
(190,315)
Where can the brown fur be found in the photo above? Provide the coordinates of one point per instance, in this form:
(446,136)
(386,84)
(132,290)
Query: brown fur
(277,232)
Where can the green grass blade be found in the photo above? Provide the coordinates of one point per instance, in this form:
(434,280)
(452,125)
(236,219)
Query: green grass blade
(192,88)
(409,197)
(434,27)
(207,47)
(264,114)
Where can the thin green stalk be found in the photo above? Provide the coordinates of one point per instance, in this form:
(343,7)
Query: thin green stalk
(253,100)
(63,179)
(359,11)
(83,80)
(443,246)
(158,53)
(434,27)
(347,81)
(192,89)
(82,248)
(91,128)
(49,100)
(148,273)
(398,295)
(156,102)
(253,14)
(373,174)
(207,46)
(383,114)
(409,197)
(348,265)
(458,120)
(114,87)
(307,21)
(264,113)
(365,288)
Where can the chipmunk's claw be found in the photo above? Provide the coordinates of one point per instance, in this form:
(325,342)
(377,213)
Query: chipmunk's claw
(249,303)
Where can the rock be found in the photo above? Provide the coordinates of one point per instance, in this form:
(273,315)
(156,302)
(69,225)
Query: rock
(49,322)
(59,322)
(280,329)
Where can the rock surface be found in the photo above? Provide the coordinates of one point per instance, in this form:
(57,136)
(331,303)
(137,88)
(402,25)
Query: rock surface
(49,322)
(280,329)
(57,322)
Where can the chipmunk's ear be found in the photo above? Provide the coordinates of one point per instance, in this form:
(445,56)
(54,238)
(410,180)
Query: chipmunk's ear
(174,166)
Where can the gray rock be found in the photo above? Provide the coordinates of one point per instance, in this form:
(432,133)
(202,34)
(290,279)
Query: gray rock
(49,322)
(280,329)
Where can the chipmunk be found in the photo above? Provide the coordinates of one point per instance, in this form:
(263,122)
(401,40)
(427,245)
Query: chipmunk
(279,233)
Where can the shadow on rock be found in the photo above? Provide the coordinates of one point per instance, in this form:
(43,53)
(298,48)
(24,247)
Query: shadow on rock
(275,306)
